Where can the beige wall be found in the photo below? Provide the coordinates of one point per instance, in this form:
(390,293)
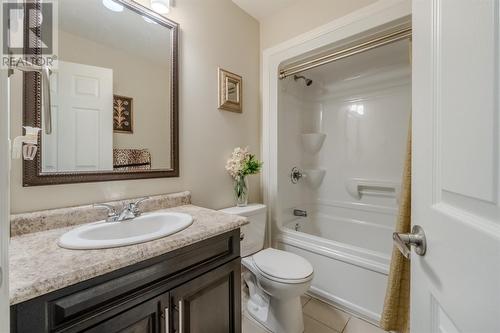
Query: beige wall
(213,33)
(302,17)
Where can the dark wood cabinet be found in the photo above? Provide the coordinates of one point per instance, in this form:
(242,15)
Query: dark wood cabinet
(195,289)
(143,318)
(209,303)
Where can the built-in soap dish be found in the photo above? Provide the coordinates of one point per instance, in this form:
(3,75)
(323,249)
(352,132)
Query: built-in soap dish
(312,142)
(314,177)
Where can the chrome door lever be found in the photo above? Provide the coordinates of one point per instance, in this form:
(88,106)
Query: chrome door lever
(416,238)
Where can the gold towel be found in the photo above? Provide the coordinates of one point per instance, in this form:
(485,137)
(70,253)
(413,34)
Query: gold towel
(396,313)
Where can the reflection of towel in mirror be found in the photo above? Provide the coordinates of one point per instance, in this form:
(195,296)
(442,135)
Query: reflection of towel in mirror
(30,138)
(131,159)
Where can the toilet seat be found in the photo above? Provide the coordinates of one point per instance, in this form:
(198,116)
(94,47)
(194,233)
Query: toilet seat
(282,266)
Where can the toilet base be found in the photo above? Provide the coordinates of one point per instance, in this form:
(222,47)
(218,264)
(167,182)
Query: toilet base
(285,316)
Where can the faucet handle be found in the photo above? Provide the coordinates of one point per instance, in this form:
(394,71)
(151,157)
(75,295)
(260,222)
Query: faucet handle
(111,210)
(141,200)
(133,206)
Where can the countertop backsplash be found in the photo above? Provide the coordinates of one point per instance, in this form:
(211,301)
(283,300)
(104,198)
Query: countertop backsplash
(26,223)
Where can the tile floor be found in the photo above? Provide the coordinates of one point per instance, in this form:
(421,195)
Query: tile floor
(320,317)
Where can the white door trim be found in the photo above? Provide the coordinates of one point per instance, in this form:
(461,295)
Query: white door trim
(4,196)
(370,17)
(4,200)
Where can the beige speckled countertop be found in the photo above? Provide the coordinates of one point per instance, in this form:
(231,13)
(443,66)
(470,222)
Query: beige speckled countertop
(39,266)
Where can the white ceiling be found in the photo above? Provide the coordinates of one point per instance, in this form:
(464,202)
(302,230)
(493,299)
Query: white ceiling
(260,9)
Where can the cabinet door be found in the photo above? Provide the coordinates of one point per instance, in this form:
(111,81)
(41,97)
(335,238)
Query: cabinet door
(143,318)
(210,303)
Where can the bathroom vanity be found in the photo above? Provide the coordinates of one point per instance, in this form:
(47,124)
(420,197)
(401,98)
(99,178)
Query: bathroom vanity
(186,282)
(175,292)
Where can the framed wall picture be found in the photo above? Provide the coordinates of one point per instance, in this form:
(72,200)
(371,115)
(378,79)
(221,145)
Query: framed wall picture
(230,91)
(123,114)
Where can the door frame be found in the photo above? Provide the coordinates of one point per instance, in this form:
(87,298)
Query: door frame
(380,13)
(4,195)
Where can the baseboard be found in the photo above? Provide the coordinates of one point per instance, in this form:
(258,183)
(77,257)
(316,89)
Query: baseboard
(346,306)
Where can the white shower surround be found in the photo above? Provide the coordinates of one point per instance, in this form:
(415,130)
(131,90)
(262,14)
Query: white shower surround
(346,237)
(382,13)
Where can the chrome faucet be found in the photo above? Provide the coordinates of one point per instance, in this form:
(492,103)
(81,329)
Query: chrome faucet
(300,212)
(129,212)
(112,215)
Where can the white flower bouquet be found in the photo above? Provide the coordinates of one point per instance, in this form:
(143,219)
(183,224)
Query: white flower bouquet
(242,164)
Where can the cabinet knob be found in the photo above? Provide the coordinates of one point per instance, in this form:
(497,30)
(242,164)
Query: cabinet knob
(242,236)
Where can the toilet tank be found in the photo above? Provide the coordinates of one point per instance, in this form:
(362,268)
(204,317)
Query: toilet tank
(255,232)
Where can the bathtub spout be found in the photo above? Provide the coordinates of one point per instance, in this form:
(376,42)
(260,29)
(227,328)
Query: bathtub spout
(300,212)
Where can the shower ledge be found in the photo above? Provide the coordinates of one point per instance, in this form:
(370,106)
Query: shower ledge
(315,177)
(313,142)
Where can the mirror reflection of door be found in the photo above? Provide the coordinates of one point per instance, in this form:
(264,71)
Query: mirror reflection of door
(82,111)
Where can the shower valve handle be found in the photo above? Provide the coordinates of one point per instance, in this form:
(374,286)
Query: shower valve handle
(416,238)
(296,175)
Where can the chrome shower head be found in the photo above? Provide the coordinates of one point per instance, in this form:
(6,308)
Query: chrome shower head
(306,80)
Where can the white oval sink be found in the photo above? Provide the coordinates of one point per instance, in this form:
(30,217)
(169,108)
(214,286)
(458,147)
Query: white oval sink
(145,228)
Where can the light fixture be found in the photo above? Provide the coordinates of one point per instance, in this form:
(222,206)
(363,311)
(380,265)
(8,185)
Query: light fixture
(161,6)
(112,5)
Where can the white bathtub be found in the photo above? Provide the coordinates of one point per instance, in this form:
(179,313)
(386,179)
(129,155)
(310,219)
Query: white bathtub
(349,246)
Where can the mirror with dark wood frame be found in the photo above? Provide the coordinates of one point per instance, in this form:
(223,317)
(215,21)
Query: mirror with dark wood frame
(113,96)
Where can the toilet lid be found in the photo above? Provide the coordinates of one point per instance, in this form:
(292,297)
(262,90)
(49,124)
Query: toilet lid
(282,265)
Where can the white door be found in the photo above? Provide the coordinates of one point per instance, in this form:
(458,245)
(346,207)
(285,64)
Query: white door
(82,118)
(456,167)
(4,197)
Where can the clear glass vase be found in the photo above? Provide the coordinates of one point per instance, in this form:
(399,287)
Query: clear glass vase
(241,191)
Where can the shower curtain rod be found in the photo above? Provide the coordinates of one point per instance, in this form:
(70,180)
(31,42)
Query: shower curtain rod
(347,52)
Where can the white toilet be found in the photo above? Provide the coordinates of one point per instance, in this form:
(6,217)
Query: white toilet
(276,279)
